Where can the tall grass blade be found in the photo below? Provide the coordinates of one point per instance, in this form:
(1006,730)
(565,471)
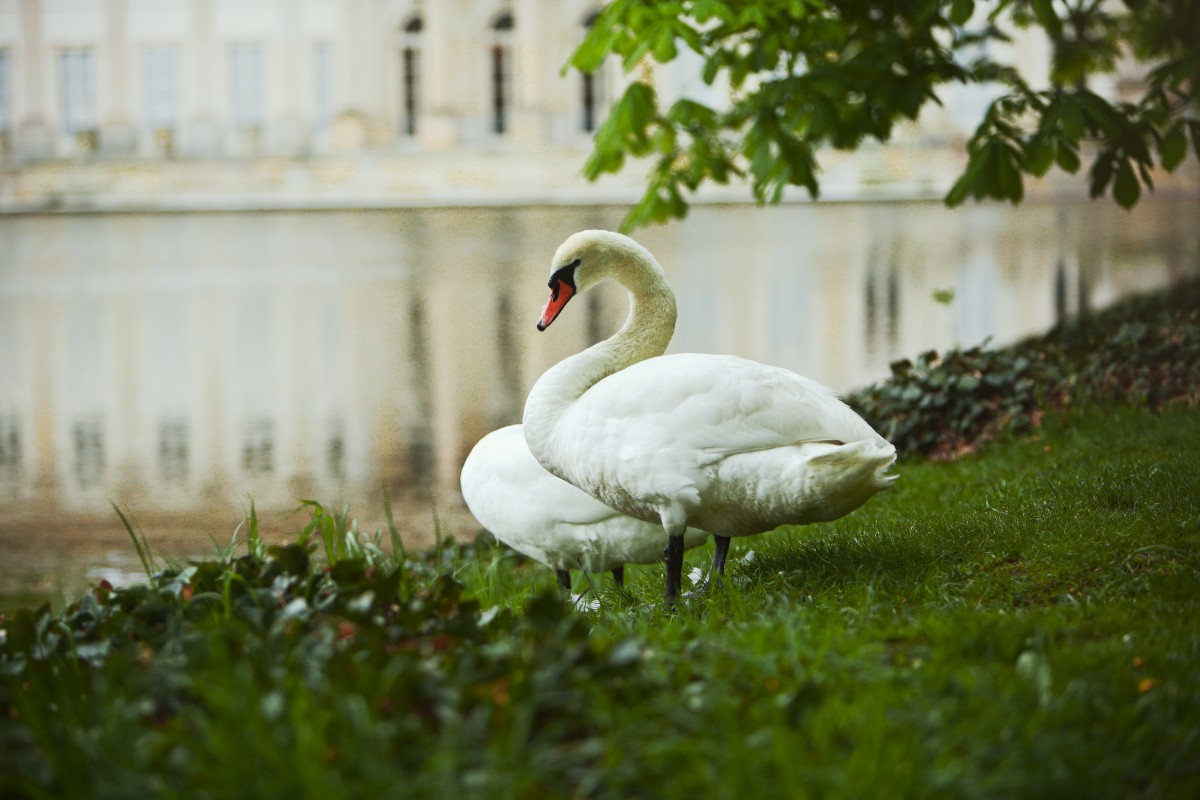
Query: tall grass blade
(437,531)
(398,550)
(254,544)
(317,510)
(139,543)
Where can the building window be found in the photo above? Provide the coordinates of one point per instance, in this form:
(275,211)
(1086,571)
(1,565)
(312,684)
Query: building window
(323,85)
(89,452)
(76,91)
(5,100)
(501,72)
(160,93)
(410,74)
(173,450)
(593,92)
(246,86)
(258,446)
(590,90)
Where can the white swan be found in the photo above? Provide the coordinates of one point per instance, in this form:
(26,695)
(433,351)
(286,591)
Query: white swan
(719,443)
(550,520)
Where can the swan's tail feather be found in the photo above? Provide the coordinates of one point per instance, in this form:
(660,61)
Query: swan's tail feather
(887,457)
(812,482)
(865,461)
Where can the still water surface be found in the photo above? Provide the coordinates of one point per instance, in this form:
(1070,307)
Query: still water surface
(180,364)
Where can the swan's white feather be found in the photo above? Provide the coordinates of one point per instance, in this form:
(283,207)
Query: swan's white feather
(753,444)
(721,443)
(550,520)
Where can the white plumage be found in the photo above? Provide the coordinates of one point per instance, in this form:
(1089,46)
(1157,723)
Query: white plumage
(548,519)
(719,443)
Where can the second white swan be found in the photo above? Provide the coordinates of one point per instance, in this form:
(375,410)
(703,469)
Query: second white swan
(548,519)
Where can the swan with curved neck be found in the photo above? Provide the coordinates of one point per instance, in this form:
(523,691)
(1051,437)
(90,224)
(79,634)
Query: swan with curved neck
(719,443)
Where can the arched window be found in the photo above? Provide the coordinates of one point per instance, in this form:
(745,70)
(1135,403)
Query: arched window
(410,73)
(500,72)
(593,92)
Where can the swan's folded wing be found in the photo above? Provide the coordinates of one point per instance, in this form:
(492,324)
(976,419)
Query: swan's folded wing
(716,405)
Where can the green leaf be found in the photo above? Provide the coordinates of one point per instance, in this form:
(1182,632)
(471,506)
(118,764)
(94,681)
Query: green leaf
(1126,188)
(1006,163)
(1102,172)
(1173,146)
(958,192)
(1043,10)
(624,130)
(961,11)
(973,181)
(690,37)
(665,49)
(1039,155)
(691,114)
(661,202)
(1073,126)
(1067,157)
(1101,114)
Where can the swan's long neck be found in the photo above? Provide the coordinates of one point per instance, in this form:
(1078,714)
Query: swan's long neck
(646,333)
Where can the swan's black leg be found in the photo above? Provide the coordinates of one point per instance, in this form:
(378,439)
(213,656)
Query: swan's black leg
(564,579)
(722,550)
(674,554)
(619,575)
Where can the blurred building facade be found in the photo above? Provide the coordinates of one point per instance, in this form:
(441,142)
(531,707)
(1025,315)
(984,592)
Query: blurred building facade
(203,78)
(131,103)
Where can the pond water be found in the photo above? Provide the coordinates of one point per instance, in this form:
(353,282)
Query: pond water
(180,365)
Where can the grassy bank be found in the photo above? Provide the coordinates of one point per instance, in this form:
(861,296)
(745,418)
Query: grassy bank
(1020,622)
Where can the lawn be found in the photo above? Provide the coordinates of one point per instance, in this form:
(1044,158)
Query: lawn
(1019,622)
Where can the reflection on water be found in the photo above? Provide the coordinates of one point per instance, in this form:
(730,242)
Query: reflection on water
(178,364)
(10,451)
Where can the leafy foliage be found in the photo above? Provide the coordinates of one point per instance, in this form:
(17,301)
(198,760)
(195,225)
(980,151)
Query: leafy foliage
(1145,350)
(806,74)
(260,675)
(943,406)
(1043,599)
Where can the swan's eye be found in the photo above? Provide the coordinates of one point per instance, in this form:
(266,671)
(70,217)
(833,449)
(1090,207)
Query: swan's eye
(564,274)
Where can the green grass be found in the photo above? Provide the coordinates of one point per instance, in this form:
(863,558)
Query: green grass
(1019,623)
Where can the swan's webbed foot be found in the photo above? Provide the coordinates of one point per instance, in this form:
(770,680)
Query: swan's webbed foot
(564,580)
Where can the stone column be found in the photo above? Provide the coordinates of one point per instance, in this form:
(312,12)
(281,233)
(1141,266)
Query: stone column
(449,72)
(532,75)
(117,134)
(33,136)
(201,134)
(290,134)
(378,38)
(351,123)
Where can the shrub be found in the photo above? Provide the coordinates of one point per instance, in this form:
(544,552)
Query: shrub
(1145,350)
(206,675)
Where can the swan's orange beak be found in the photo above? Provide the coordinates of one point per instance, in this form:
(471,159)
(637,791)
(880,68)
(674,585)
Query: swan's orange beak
(560,293)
